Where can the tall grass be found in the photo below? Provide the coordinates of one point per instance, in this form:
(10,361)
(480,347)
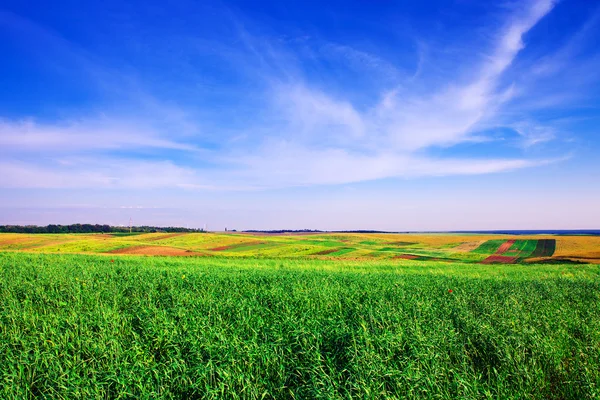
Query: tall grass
(87,327)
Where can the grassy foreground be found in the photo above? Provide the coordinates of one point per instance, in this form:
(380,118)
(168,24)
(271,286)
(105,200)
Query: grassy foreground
(81,326)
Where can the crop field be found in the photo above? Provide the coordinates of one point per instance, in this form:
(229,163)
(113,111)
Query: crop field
(468,248)
(235,315)
(82,326)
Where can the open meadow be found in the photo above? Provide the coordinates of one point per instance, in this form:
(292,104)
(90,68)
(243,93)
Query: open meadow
(253,321)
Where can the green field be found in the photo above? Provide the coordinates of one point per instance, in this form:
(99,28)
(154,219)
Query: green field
(95,327)
(522,248)
(489,247)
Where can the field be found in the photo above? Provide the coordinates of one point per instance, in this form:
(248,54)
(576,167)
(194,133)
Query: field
(314,316)
(469,248)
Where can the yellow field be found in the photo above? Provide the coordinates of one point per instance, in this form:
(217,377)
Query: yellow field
(578,247)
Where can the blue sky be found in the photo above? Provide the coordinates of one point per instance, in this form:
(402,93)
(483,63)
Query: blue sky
(325,115)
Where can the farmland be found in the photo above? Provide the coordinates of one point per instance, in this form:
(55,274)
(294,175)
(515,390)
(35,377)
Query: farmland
(88,326)
(469,248)
(327,316)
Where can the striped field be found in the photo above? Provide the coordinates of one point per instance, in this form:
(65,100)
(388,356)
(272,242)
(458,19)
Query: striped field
(470,248)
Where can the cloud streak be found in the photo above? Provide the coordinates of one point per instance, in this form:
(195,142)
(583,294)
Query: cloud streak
(108,174)
(327,140)
(304,133)
(83,135)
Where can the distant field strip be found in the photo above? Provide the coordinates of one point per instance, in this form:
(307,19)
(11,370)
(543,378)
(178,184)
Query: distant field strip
(489,247)
(468,246)
(515,250)
(504,247)
(521,248)
(237,246)
(327,252)
(472,248)
(155,250)
(544,248)
(344,251)
(500,259)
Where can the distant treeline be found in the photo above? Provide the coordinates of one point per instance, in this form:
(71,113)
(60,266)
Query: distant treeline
(89,228)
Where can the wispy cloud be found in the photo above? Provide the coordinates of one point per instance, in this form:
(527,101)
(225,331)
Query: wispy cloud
(104,174)
(327,140)
(289,165)
(304,132)
(82,135)
(534,134)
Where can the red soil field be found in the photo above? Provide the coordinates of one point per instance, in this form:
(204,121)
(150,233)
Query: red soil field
(497,257)
(505,246)
(15,240)
(500,259)
(156,251)
(167,236)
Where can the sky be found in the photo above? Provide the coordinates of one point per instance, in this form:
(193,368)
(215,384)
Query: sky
(336,115)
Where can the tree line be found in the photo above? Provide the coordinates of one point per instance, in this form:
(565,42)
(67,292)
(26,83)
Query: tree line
(89,228)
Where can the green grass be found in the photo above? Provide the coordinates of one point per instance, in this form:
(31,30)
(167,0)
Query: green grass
(369,242)
(424,253)
(394,249)
(253,247)
(343,251)
(79,326)
(326,243)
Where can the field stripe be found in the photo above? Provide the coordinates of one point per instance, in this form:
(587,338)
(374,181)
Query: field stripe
(544,248)
(489,246)
(505,247)
(497,257)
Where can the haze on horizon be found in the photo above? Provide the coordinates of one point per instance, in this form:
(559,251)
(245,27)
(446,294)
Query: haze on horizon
(450,115)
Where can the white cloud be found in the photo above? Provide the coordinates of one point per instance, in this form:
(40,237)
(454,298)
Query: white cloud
(310,137)
(311,112)
(534,134)
(293,166)
(362,60)
(101,174)
(450,115)
(95,134)
(328,141)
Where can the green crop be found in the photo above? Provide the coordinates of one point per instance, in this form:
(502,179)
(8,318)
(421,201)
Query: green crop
(489,247)
(521,248)
(92,327)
